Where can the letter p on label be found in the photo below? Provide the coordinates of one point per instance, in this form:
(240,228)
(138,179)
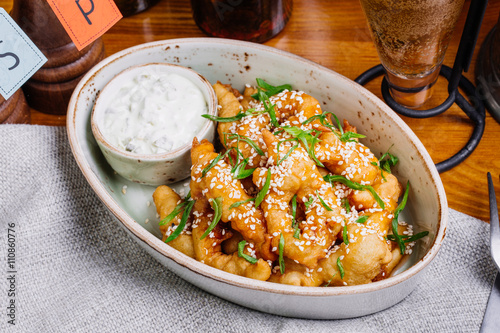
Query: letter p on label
(85,20)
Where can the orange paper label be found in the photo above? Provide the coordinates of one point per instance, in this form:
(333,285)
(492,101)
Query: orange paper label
(85,20)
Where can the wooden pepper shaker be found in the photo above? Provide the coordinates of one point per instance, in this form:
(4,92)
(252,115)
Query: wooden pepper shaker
(50,88)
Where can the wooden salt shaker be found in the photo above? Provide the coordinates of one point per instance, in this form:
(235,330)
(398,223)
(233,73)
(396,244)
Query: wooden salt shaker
(50,88)
(15,110)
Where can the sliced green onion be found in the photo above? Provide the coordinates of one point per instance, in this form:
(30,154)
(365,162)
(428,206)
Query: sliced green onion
(400,207)
(213,163)
(238,170)
(349,136)
(311,152)
(241,254)
(239,116)
(323,203)
(344,136)
(270,89)
(322,119)
(241,172)
(386,165)
(176,210)
(182,223)
(173,214)
(268,107)
(390,162)
(339,125)
(295,225)
(217,207)
(224,119)
(294,131)
(386,153)
(415,237)
(250,142)
(281,247)
(344,235)
(237,164)
(381,170)
(239,203)
(308,203)
(409,239)
(362,219)
(311,119)
(341,268)
(331,279)
(289,152)
(346,205)
(307,139)
(262,193)
(355,186)
(272,114)
(283,141)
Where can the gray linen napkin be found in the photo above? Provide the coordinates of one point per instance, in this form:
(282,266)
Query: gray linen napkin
(77,271)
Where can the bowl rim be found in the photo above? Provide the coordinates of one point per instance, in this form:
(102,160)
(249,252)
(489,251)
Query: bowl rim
(207,124)
(209,272)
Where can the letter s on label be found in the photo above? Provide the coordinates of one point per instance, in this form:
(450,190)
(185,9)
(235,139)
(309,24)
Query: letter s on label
(10,54)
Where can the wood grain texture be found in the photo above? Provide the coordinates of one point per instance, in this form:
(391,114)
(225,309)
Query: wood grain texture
(50,88)
(15,110)
(335,35)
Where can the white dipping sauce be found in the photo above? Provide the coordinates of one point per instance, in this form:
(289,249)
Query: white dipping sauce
(154,113)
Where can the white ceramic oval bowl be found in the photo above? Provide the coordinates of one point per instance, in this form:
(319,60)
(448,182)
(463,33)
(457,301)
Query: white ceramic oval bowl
(238,63)
(151,169)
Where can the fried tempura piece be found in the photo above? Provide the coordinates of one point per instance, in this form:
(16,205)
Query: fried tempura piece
(218,182)
(350,159)
(297,174)
(208,250)
(230,106)
(388,190)
(396,253)
(361,260)
(248,101)
(166,200)
(230,245)
(389,267)
(295,104)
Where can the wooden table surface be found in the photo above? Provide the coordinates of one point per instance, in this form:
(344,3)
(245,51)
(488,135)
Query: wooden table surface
(335,35)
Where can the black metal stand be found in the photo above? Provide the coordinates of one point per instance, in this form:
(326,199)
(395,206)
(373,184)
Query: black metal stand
(475,111)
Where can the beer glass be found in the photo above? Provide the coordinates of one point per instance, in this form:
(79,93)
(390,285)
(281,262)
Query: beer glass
(251,20)
(411,37)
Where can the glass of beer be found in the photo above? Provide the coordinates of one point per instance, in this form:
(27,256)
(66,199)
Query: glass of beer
(250,20)
(411,37)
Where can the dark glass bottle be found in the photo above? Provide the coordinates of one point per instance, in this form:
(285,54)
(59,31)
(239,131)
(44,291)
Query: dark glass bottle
(131,7)
(250,20)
